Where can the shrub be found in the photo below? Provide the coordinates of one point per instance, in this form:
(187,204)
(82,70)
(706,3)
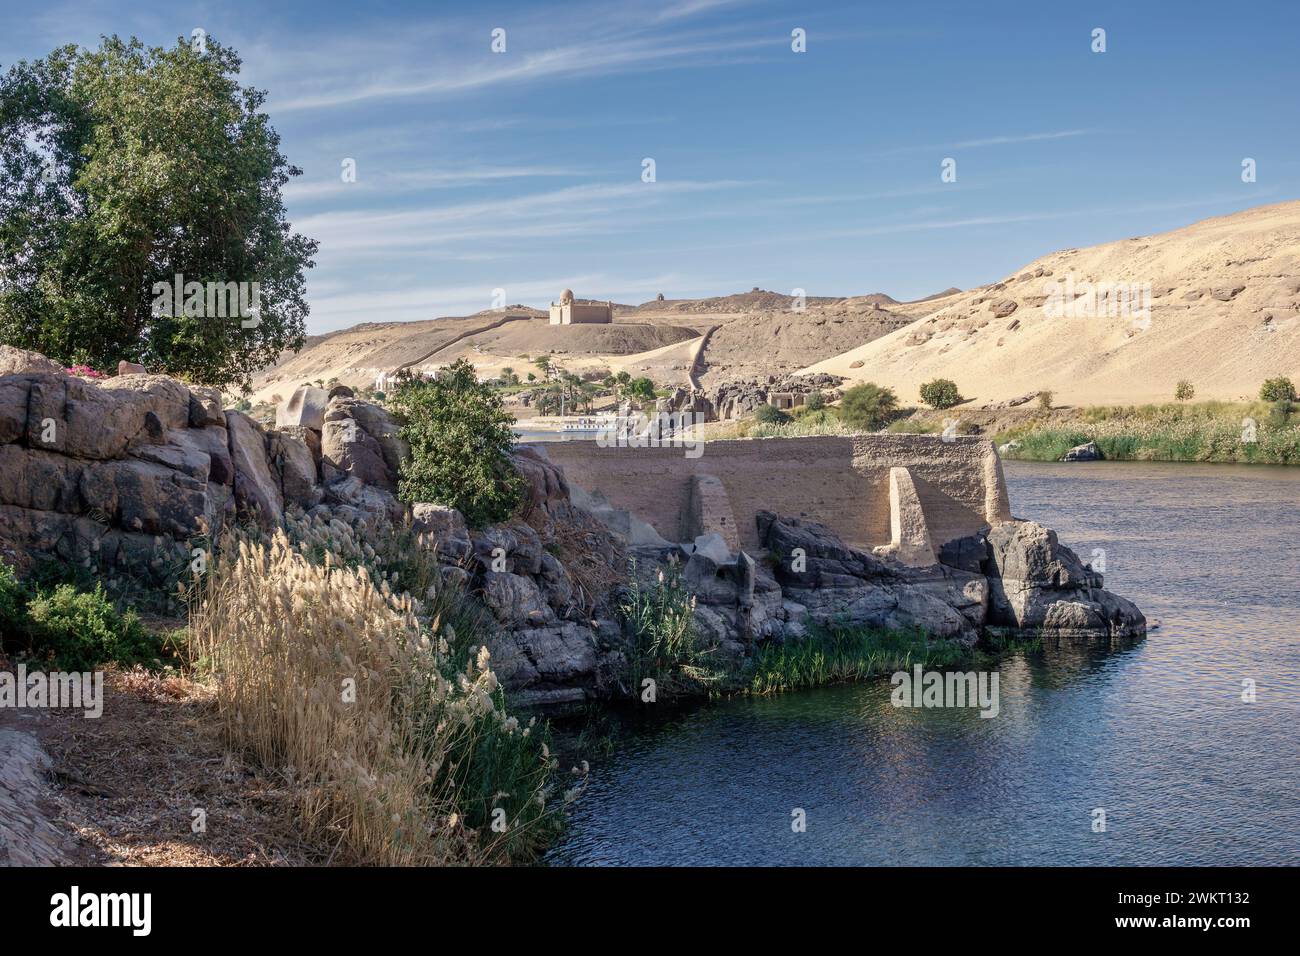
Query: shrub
(1277,389)
(940,393)
(770,415)
(1184,391)
(815,402)
(396,726)
(79,630)
(13,604)
(868,406)
(460,436)
(1045,400)
(660,620)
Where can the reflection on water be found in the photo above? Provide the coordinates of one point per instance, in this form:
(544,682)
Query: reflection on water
(1155,733)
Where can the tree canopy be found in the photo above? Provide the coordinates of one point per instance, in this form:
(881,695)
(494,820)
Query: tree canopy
(123,168)
(460,437)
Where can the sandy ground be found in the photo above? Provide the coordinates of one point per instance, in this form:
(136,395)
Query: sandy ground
(121,790)
(1224,315)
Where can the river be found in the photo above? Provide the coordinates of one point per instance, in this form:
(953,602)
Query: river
(1155,735)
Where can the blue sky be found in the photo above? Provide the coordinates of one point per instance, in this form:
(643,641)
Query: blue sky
(819,170)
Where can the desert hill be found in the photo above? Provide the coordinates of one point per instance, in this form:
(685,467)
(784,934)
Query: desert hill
(1224,315)
(675,342)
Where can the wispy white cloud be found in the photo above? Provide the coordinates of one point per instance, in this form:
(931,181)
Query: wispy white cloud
(432,58)
(1013,139)
(388,182)
(592,208)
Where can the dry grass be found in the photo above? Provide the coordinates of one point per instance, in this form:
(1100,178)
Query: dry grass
(334,682)
(127,783)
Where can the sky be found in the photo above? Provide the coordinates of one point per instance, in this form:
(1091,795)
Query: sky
(523,170)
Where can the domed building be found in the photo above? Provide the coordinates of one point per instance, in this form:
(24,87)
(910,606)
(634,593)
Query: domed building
(569,312)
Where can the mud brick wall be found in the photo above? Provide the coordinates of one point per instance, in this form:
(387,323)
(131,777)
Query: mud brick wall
(842,482)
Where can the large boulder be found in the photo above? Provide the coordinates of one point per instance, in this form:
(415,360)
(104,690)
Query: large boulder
(305,408)
(1085,452)
(1037,585)
(294,464)
(257,490)
(347,449)
(19,361)
(515,600)
(446,526)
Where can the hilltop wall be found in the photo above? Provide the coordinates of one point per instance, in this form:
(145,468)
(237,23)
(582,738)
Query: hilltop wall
(839,481)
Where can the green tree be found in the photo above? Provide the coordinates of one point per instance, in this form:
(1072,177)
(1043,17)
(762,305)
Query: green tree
(940,393)
(1277,389)
(815,402)
(639,389)
(124,167)
(1184,391)
(868,406)
(460,436)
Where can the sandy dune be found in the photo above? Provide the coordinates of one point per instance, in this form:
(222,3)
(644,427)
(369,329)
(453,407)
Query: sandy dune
(1224,314)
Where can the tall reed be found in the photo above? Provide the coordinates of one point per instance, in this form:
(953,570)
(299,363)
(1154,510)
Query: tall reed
(403,755)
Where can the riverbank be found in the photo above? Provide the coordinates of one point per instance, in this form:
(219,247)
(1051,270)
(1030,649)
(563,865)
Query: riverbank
(1258,433)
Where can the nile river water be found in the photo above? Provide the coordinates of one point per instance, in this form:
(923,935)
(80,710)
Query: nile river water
(1156,735)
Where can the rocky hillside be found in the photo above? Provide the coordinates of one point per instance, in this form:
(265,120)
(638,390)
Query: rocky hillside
(1224,315)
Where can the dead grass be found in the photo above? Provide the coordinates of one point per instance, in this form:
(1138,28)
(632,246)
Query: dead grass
(127,783)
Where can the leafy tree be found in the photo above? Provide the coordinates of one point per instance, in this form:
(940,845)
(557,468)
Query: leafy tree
(940,393)
(460,436)
(1277,389)
(639,389)
(122,168)
(815,402)
(868,406)
(1184,391)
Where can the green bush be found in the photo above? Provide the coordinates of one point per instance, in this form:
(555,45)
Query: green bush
(460,437)
(940,393)
(79,630)
(815,402)
(659,620)
(770,415)
(13,604)
(868,406)
(1184,391)
(1278,389)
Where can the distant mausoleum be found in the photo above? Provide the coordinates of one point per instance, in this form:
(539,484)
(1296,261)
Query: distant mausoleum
(568,312)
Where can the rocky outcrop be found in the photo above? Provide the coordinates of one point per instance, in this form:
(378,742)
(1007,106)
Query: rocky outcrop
(118,474)
(836,584)
(126,474)
(1037,585)
(739,398)
(1085,452)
